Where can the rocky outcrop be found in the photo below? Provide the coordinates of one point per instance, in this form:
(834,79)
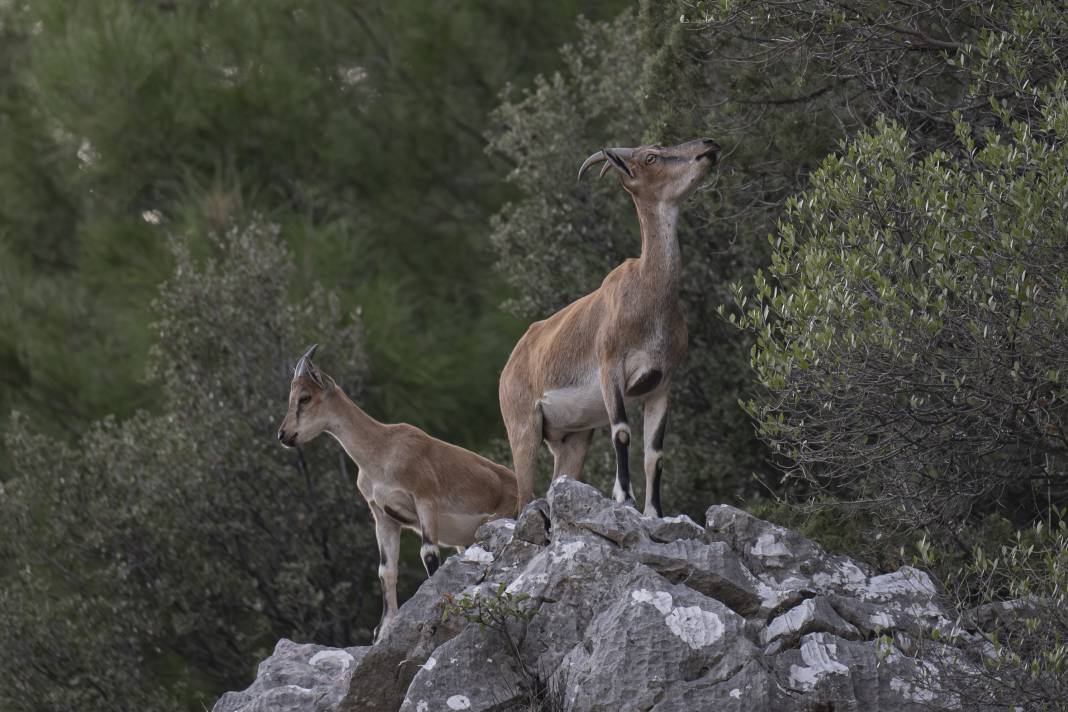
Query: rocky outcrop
(304,678)
(620,612)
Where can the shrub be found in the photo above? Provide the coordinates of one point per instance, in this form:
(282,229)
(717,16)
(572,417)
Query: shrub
(908,329)
(155,559)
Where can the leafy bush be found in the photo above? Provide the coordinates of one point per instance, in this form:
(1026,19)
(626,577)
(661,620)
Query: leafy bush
(152,562)
(908,330)
(1014,596)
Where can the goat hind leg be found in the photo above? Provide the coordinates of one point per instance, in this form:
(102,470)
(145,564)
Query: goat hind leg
(655,416)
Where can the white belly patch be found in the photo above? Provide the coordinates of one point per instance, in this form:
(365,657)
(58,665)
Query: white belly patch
(458,528)
(578,407)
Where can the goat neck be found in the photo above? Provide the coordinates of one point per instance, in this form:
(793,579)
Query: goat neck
(661,260)
(360,435)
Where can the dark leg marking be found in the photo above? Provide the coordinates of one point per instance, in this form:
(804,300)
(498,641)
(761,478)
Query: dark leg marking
(656,488)
(383,562)
(431,562)
(406,521)
(619,417)
(623,466)
(429,553)
(648,381)
(621,439)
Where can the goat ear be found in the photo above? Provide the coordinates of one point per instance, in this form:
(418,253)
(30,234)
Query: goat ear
(618,162)
(328,383)
(316,375)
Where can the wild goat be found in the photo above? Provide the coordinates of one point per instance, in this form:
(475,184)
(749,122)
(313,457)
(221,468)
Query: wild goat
(588,363)
(409,479)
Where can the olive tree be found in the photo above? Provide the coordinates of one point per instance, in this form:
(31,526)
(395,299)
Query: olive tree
(908,326)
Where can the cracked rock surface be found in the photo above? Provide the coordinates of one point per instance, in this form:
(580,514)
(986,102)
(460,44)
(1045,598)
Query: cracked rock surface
(633,614)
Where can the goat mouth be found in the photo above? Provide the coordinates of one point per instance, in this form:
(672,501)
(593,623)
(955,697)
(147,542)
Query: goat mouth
(712,155)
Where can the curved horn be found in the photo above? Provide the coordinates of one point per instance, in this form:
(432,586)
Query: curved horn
(595,158)
(615,157)
(302,364)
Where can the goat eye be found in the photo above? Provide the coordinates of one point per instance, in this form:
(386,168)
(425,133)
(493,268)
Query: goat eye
(651,158)
(304,400)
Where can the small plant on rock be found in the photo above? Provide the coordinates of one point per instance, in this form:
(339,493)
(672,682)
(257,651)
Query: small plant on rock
(503,612)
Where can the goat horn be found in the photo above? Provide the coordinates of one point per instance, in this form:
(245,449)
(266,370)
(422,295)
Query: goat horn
(615,157)
(302,364)
(599,156)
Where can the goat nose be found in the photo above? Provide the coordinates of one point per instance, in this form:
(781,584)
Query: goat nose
(281,435)
(711,144)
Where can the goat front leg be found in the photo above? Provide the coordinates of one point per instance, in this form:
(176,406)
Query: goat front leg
(427,511)
(655,423)
(612,391)
(387,531)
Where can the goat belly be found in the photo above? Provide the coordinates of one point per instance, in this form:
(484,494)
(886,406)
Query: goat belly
(458,528)
(574,408)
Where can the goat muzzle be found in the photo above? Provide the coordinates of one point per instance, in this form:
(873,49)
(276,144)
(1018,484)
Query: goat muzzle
(287,440)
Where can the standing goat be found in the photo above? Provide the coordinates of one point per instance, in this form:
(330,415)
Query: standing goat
(409,479)
(586,364)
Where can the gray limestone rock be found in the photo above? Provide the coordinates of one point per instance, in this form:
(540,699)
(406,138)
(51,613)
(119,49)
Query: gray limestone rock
(382,676)
(708,568)
(652,636)
(532,526)
(669,529)
(297,677)
(810,616)
(622,612)
(574,505)
(495,535)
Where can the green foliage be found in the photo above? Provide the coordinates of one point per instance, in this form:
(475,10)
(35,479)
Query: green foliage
(502,612)
(905,335)
(912,63)
(152,561)
(356,127)
(494,612)
(907,329)
(1015,594)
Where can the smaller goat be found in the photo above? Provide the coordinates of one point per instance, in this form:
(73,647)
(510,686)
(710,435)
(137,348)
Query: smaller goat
(409,479)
